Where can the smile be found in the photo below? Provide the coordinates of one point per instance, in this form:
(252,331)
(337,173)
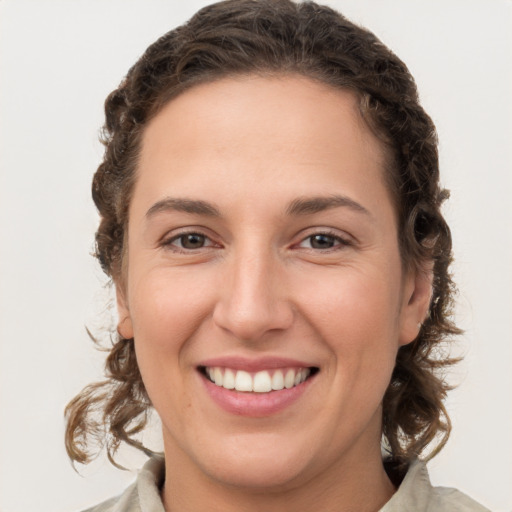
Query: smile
(264,381)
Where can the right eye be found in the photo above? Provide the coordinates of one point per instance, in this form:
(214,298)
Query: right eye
(189,241)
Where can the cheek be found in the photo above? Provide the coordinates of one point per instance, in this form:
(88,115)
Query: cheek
(365,303)
(166,315)
(357,316)
(166,307)
(167,312)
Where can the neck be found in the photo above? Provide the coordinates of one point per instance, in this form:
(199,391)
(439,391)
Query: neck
(360,485)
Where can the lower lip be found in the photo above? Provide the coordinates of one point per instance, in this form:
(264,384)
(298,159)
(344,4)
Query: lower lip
(255,405)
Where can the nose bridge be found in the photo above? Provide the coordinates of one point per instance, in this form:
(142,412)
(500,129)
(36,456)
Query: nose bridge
(253,300)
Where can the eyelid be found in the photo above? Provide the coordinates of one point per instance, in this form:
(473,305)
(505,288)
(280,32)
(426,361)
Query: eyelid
(167,240)
(344,239)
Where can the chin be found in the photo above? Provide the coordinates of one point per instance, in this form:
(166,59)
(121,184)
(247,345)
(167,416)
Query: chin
(252,461)
(257,473)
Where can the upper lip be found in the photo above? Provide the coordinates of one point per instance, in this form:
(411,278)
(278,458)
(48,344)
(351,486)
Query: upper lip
(254,364)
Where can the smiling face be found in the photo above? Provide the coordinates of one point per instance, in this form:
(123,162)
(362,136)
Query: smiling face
(262,254)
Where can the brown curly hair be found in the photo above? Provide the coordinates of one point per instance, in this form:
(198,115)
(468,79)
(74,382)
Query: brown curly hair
(273,37)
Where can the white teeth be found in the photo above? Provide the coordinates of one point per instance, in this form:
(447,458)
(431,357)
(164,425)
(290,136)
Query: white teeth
(277,381)
(289,379)
(229,379)
(217,376)
(243,381)
(260,382)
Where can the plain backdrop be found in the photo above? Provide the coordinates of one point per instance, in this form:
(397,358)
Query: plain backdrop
(60,59)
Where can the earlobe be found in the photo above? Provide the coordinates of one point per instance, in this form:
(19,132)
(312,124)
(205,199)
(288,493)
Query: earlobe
(416,304)
(124,325)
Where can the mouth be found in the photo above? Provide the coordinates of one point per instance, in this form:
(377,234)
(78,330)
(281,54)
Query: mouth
(263,381)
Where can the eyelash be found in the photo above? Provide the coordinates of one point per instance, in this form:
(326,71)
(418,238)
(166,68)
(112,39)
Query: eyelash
(169,242)
(338,241)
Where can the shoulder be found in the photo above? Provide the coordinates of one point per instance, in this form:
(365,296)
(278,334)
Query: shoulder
(126,502)
(417,493)
(142,496)
(449,499)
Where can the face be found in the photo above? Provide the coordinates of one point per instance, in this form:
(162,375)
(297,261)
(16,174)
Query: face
(264,287)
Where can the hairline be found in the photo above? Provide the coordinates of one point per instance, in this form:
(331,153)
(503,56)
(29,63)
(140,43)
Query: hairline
(217,75)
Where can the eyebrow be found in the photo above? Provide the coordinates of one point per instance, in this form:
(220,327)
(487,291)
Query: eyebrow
(311,205)
(193,206)
(299,206)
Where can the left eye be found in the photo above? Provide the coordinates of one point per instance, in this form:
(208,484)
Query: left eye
(190,241)
(322,241)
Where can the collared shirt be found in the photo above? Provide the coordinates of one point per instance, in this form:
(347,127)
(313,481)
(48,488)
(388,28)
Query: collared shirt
(415,494)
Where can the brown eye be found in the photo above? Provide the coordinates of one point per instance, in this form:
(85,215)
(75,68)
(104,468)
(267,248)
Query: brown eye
(322,241)
(190,241)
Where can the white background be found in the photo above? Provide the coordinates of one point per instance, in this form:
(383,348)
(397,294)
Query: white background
(59,60)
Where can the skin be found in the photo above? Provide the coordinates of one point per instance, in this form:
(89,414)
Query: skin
(259,285)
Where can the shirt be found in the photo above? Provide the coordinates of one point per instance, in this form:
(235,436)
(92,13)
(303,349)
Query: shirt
(415,494)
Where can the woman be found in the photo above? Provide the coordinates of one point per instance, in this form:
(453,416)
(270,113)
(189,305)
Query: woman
(270,216)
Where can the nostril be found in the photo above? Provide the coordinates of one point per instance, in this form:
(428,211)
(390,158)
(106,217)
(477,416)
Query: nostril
(251,308)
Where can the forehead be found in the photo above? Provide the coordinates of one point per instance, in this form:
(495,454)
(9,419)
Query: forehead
(233,96)
(239,132)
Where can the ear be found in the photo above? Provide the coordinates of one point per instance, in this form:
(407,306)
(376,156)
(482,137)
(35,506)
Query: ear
(416,302)
(124,325)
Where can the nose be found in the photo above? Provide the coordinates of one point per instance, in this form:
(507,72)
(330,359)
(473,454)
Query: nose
(253,300)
